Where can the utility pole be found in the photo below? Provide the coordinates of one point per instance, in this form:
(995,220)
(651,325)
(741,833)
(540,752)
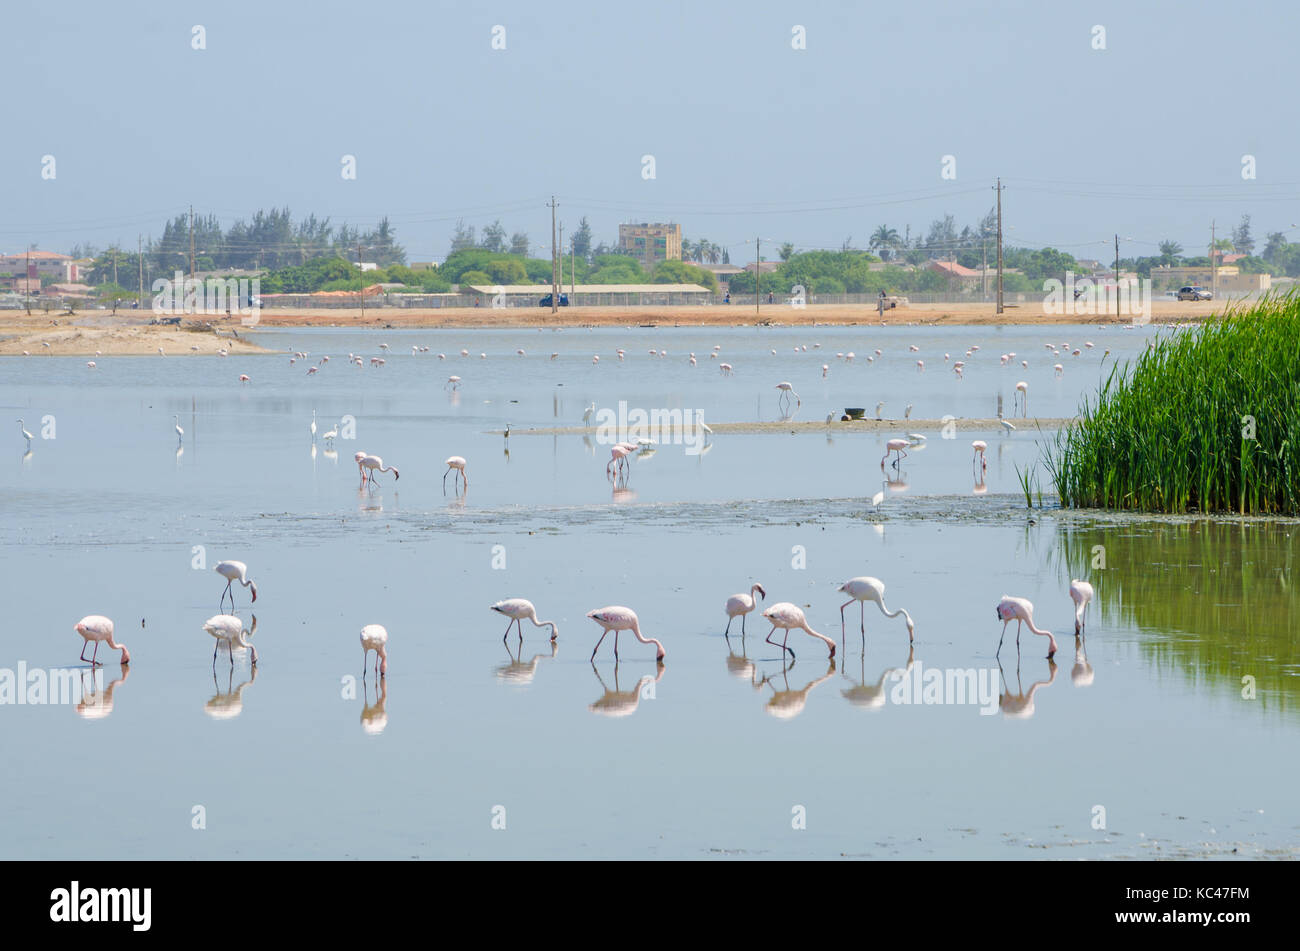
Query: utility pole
(560,254)
(758,274)
(984,268)
(1117,277)
(1214,265)
(27,281)
(363,282)
(999,188)
(139,256)
(555,281)
(573,268)
(191,240)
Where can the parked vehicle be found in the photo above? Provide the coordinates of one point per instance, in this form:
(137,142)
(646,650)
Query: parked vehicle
(1194,292)
(546,301)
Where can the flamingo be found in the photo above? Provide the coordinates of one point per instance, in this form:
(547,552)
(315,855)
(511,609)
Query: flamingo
(1081,593)
(788,616)
(617,458)
(866,589)
(725,368)
(234,571)
(979,446)
(313,425)
(1022,391)
(99,629)
(453,383)
(1058,368)
(375,464)
(243,377)
(228,628)
(894,445)
(786,392)
(618,618)
(26,434)
(1008,427)
(1020,610)
(742,604)
(374,637)
(90,364)
(180,433)
(920,366)
(518,609)
(330,434)
(457,463)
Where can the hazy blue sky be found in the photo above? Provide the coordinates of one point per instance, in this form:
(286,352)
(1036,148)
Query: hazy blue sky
(750,137)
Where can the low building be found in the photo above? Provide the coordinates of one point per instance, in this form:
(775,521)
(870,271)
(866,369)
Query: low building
(40,264)
(1229,279)
(630,295)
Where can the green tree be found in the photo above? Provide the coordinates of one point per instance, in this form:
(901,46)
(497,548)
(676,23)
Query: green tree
(582,239)
(787,250)
(1169,252)
(679,272)
(885,241)
(474,277)
(507,271)
(494,238)
(1241,237)
(519,244)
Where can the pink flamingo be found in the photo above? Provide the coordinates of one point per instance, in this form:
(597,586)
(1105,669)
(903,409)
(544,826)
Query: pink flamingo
(1020,610)
(457,463)
(228,628)
(618,618)
(243,378)
(374,637)
(1058,368)
(979,446)
(375,464)
(1081,593)
(866,589)
(788,616)
(725,368)
(894,445)
(233,571)
(97,628)
(617,459)
(1022,395)
(740,605)
(519,609)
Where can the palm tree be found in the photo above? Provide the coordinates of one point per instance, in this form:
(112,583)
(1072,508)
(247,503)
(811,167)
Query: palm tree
(687,249)
(714,253)
(787,251)
(884,240)
(1170,252)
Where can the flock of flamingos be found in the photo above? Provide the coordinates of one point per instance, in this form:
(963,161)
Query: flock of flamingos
(228,629)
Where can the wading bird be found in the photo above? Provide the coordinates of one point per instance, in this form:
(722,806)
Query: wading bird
(788,616)
(617,460)
(978,461)
(99,629)
(739,605)
(374,637)
(786,392)
(1021,611)
(1080,593)
(26,434)
(313,426)
(457,463)
(375,464)
(520,609)
(618,618)
(228,628)
(866,589)
(894,445)
(1022,394)
(233,571)
(180,433)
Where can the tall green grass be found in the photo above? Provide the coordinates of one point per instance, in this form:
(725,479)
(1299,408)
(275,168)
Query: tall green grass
(1171,433)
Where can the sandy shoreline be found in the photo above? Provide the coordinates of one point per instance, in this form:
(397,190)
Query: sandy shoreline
(99,333)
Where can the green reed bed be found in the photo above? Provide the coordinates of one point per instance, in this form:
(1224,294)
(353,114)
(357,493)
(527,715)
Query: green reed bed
(1173,433)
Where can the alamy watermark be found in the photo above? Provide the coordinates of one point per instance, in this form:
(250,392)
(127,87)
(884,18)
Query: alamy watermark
(191,295)
(62,685)
(947,685)
(1129,297)
(661,426)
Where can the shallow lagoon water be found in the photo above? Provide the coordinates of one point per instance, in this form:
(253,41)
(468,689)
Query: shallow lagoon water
(104,518)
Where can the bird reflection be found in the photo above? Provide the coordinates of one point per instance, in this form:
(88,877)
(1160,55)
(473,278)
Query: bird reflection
(623,494)
(180,451)
(787,704)
(27,456)
(520,671)
(897,482)
(1081,673)
(739,665)
(591,446)
(229,704)
(331,454)
(313,452)
(623,703)
(96,704)
(368,502)
(373,715)
(1020,705)
(873,696)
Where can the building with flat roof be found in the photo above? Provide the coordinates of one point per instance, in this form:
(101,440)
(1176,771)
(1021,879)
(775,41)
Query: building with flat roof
(651,243)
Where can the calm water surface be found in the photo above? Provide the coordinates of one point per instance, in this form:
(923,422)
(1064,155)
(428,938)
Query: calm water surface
(722,751)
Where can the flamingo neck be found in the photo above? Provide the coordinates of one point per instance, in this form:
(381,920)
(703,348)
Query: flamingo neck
(636,629)
(829,643)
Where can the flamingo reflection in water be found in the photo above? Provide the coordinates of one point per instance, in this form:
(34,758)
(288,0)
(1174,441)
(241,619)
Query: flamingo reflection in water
(623,703)
(873,696)
(96,703)
(787,704)
(1020,705)
(521,672)
(228,704)
(374,716)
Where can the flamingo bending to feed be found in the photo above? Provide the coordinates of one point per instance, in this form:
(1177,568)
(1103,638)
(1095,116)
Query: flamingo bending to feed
(375,464)
(618,618)
(234,571)
(788,616)
(894,445)
(228,628)
(979,446)
(457,463)
(617,459)
(786,392)
(1081,593)
(866,589)
(519,609)
(740,605)
(374,637)
(99,629)
(1022,394)
(1021,610)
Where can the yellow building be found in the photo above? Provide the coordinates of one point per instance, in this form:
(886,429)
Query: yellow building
(651,243)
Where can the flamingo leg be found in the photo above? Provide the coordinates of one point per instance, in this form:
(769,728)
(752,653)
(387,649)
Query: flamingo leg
(84,645)
(1018,624)
(598,643)
(216,644)
(862,620)
(1000,639)
(616,651)
(724,633)
(231,651)
(365,656)
(742,623)
(94,654)
(842,607)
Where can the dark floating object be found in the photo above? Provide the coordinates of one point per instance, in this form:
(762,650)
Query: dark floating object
(855,412)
